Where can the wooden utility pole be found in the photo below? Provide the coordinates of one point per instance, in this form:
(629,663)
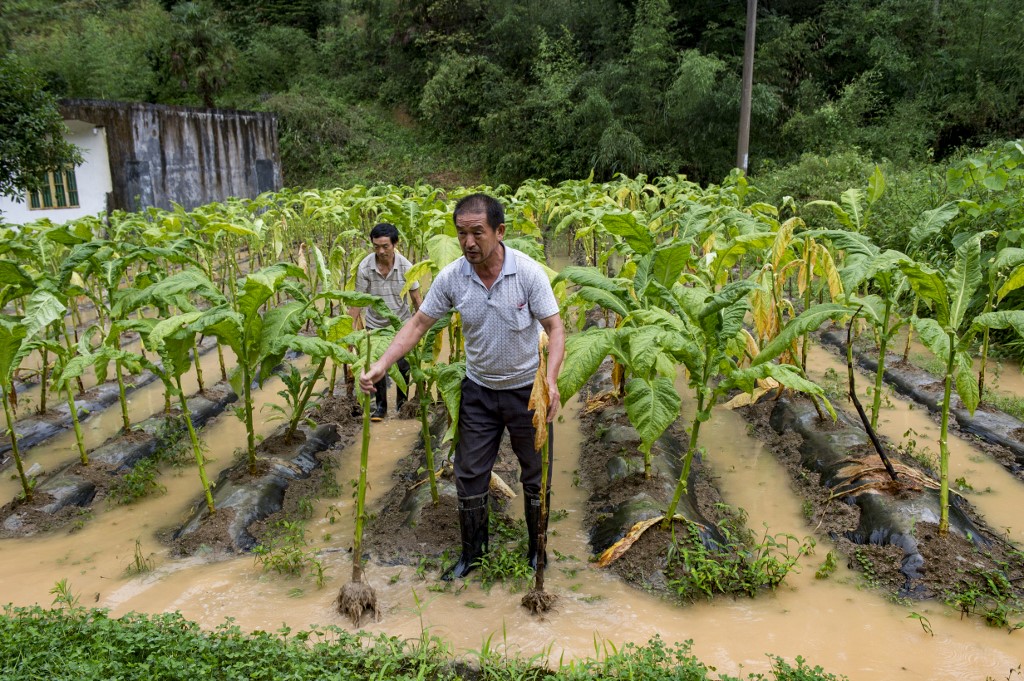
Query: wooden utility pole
(742,148)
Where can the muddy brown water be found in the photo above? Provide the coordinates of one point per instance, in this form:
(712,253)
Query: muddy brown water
(833,623)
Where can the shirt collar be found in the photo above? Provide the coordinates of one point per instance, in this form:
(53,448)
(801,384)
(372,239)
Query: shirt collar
(508,265)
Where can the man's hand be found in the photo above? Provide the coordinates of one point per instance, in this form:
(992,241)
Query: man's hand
(555,399)
(374,375)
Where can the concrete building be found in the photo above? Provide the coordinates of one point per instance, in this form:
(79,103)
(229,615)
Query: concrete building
(138,155)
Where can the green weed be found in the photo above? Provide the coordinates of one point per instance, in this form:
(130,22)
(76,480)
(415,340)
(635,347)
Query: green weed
(137,483)
(286,552)
(695,571)
(140,563)
(828,567)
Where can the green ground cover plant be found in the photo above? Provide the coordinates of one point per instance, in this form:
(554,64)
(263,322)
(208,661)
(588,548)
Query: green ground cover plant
(167,646)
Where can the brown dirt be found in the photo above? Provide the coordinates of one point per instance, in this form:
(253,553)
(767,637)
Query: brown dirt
(947,557)
(212,535)
(644,564)
(337,408)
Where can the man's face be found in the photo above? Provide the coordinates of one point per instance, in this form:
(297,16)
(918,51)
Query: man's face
(384,250)
(478,241)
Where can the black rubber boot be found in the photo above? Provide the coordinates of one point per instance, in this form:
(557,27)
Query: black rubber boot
(531,504)
(473,518)
(381,400)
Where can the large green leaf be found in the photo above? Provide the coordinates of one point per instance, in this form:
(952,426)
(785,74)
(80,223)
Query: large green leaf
(853,200)
(1001,319)
(12,274)
(584,353)
(808,321)
(932,336)
(932,222)
(443,250)
(966,382)
(41,309)
(637,236)
(12,339)
(670,259)
(652,406)
(965,277)
(786,374)
(929,285)
(606,300)
(257,289)
(316,348)
(876,186)
(1012,283)
(417,272)
(281,321)
(166,292)
(592,277)
(174,338)
(729,295)
(645,344)
(529,246)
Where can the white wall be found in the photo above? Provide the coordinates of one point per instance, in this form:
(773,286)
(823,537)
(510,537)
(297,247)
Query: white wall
(92,177)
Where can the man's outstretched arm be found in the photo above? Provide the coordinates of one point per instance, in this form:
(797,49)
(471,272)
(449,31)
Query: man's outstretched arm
(408,336)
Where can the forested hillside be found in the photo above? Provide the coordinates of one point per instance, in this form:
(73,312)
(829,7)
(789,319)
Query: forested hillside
(502,90)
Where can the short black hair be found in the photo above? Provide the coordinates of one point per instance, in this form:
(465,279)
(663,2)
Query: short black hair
(384,229)
(481,203)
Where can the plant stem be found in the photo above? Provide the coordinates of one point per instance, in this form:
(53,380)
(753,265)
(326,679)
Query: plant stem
(364,458)
(14,447)
(250,431)
(79,440)
(304,399)
(691,449)
(943,443)
(883,343)
(421,390)
(126,423)
(198,364)
(196,450)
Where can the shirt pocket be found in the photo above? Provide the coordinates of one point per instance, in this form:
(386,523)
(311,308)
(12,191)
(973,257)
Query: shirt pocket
(516,315)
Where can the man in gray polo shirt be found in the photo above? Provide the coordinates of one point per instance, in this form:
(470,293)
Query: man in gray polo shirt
(504,299)
(382,273)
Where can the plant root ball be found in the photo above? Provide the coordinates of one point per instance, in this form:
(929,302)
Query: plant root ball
(539,602)
(357,599)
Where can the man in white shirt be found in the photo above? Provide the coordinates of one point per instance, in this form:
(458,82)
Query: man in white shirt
(504,299)
(382,273)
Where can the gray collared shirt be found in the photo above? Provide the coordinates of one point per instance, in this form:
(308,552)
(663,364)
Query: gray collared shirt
(370,280)
(500,325)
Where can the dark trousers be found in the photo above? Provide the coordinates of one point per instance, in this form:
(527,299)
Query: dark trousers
(382,387)
(483,416)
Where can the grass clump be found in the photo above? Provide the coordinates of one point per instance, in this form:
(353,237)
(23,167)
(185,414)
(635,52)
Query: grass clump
(137,483)
(988,593)
(738,567)
(285,551)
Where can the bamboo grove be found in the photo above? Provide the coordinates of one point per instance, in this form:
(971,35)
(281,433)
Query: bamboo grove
(678,284)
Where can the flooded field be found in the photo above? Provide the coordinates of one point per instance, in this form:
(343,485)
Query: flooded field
(836,623)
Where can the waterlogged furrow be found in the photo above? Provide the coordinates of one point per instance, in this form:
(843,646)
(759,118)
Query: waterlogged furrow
(996,494)
(142,403)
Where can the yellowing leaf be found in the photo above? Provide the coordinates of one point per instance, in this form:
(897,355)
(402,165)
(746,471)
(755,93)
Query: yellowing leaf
(539,397)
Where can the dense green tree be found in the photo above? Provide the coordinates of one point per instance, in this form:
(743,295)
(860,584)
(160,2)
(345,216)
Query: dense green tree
(31,130)
(201,54)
